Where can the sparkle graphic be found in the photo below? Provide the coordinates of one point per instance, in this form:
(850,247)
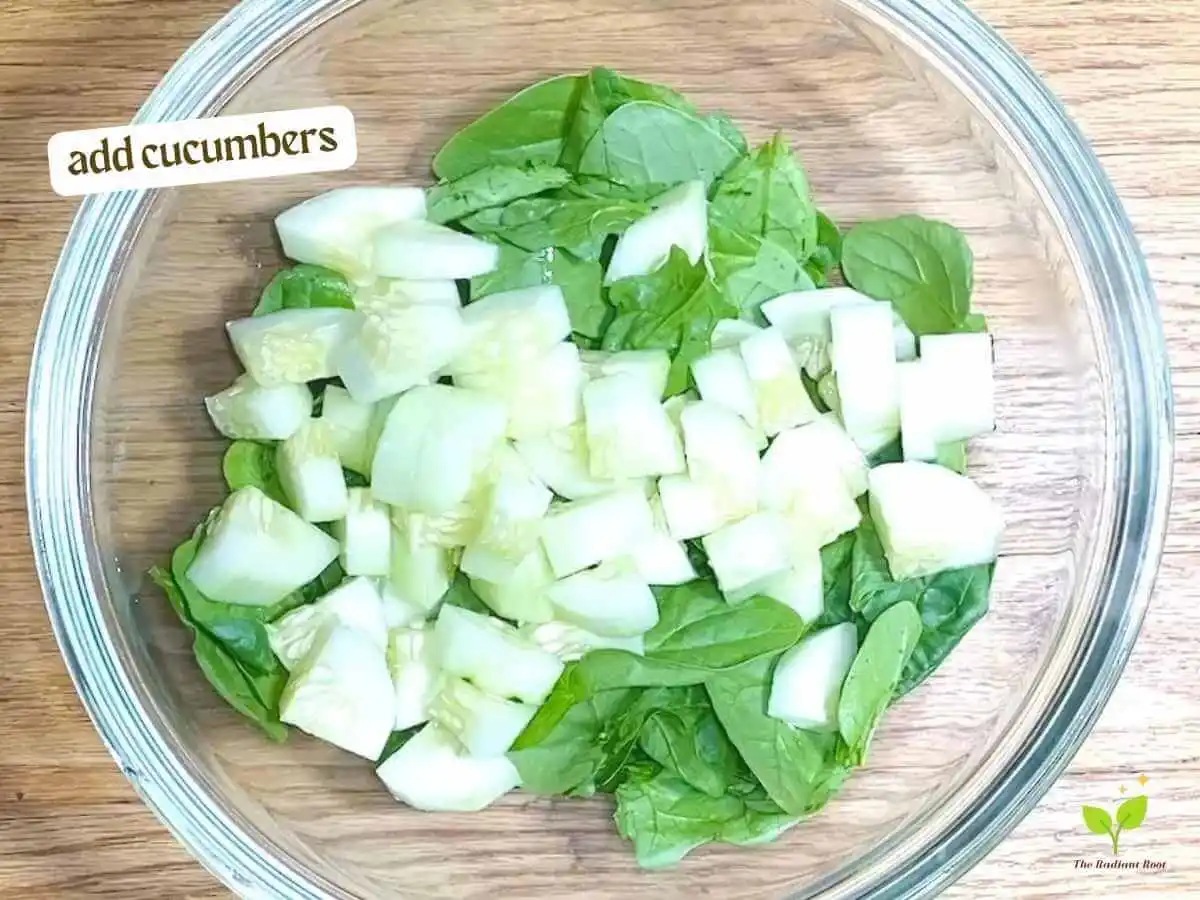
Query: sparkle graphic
(1142,779)
(1122,789)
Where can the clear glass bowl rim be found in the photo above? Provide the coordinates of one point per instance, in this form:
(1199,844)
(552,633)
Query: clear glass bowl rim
(61,394)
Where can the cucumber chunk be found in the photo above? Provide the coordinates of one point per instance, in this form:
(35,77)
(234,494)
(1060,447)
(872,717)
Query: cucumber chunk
(920,398)
(660,559)
(812,475)
(291,346)
(398,612)
(651,367)
(246,410)
(629,434)
(931,519)
(722,378)
(257,551)
(311,473)
(434,773)
(800,587)
(722,451)
(864,361)
(561,460)
(749,551)
(541,396)
(341,692)
(354,603)
(506,330)
(365,533)
(393,348)
(728,333)
(436,442)
(493,656)
(808,680)
(966,399)
(423,251)
(779,393)
(522,597)
(680,219)
(486,726)
(415,680)
(692,509)
(349,425)
(334,229)
(570,642)
(610,599)
(582,533)
(401,291)
(421,570)
(512,513)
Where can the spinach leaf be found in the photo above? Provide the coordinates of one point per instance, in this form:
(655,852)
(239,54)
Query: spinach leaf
(767,195)
(874,675)
(750,269)
(461,594)
(688,741)
(251,464)
(674,308)
(304,286)
(837,580)
(665,817)
(569,218)
(953,455)
(799,769)
(527,128)
(395,741)
(648,143)
(827,255)
(924,267)
(580,281)
(490,187)
(728,129)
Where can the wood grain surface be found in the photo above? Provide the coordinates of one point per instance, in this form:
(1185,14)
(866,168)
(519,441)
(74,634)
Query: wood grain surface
(1129,71)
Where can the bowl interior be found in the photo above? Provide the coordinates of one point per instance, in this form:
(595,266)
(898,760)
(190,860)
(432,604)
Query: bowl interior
(881,131)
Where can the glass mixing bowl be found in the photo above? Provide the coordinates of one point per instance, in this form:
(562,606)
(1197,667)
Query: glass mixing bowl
(894,105)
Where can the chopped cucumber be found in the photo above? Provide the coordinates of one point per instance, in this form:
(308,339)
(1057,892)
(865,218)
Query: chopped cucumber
(311,473)
(436,442)
(349,425)
(486,726)
(570,642)
(246,410)
(610,599)
(391,349)
(680,219)
(808,680)
(354,603)
(728,333)
(648,366)
(389,292)
(560,460)
(522,597)
(494,656)
(965,399)
(421,570)
(291,346)
(511,520)
(692,509)
(398,612)
(818,451)
(423,251)
(931,519)
(721,378)
(334,229)
(749,551)
(864,361)
(541,396)
(583,533)
(414,676)
(629,434)
(920,401)
(365,534)
(722,452)
(342,693)
(801,586)
(434,773)
(779,393)
(257,551)
(506,330)
(658,558)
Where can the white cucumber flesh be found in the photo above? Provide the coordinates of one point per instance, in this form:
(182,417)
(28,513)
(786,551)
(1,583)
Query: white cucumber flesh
(246,410)
(311,473)
(291,346)
(582,533)
(522,597)
(365,533)
(722,378)
(629,433)
(433,772)
(807,683)
(486,726)
(610,599)
(349,425)
(680,219)
(570,642)
(415,679)
(800,587)
(722,451)
(963,369)
(355,603)
(561,460)
(493,656)
(864,361)
(421,570)
(779,393)
(506,330)
(748,551)
(542,396)
(651,367)
(423,251)
(691,508)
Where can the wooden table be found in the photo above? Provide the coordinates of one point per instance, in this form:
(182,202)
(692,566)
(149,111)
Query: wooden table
(70,825)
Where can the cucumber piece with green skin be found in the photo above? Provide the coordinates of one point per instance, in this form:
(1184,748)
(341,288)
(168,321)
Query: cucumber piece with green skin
(257,551)
(342,693)
(648,366)
(779,393)
(583,533)
(800,587)
(508,329)
(246,410)
(486,726)
(560,460)
(722,451)
(864,361)
(541,396)
(423,251)
(335,229)
(493,656)
(570,642)
(522,597)
(749,551)
(432,772)
(436,441)
(965,399)
(291,346)
(391,349)
(365,533)
(629,434)
(415,681)
(311,473)
(349,425)
(691,508)
(807,683)
(355,603)
(679,219)
(931,519)
(722,378)
(610,599)
(421,570)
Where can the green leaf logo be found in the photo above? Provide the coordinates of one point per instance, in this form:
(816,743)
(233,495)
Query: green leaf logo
(1097,820)
(1130,814)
